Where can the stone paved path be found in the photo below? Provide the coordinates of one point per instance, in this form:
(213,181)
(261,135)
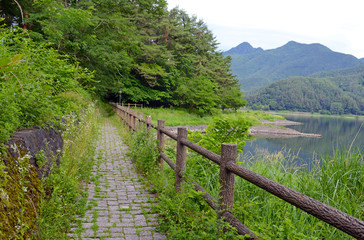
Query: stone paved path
(119,205)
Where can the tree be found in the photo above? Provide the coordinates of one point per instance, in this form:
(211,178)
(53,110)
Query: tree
(336,108)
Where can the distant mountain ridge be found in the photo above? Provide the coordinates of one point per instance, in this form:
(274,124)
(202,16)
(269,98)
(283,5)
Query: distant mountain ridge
(256,68)
(243,48)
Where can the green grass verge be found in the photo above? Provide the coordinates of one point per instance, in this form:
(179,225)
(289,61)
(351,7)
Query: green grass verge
(181,117)
(65,195)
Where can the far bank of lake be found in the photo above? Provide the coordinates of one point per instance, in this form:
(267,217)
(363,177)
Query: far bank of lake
(338,133)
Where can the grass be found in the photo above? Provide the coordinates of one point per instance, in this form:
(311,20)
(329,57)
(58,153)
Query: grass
(66,197)
(181,117)
(336,180)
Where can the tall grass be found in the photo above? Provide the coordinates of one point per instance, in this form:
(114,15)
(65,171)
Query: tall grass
(66,197)
(336,180)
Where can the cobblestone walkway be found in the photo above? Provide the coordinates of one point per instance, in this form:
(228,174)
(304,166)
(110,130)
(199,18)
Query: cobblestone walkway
(119,205)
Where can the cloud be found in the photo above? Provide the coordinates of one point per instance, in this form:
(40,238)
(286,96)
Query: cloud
(269,24)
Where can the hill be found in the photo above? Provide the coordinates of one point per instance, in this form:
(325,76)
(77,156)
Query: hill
(258,68)
(336,92)
(243,48)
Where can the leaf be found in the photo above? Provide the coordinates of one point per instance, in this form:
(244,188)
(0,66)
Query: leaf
(4,61)
(15,59)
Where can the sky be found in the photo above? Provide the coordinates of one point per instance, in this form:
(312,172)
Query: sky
(337,24)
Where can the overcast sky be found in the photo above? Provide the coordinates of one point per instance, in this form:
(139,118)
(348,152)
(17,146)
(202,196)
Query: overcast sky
(337,24)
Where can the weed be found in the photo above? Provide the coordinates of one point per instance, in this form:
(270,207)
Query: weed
(67,199)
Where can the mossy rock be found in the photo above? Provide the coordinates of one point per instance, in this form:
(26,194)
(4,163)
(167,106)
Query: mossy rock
(29,156)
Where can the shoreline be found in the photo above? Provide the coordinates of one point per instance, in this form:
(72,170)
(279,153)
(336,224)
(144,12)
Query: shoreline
(277,131)
(273,129)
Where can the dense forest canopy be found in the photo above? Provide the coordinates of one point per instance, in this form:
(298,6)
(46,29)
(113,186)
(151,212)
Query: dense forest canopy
(154,56)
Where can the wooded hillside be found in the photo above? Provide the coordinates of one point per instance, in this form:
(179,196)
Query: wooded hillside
(335,92)
(154,56)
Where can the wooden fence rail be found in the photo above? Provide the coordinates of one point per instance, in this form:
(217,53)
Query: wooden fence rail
(228,170)
(128,105)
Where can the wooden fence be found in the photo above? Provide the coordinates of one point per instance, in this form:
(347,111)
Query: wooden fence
(128,105)
(228,169)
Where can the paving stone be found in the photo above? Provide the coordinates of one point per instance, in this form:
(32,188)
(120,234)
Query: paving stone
(119,197)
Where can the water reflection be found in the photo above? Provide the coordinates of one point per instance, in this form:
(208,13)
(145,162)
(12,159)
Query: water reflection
(337,133)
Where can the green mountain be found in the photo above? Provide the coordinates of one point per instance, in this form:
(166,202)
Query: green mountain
(336,92)
(258,68)
(243,48)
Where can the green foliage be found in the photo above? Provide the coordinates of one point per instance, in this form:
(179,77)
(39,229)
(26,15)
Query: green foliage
(271,217)
(223,131)
(338,92)
(156,56)
(65,198)
(184,215)
(33,79)
(144,152)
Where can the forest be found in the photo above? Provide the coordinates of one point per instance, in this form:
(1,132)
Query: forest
(53,53)
(333,92)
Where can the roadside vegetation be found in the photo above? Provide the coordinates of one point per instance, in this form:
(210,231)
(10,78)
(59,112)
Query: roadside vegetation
(336,180)
(65,192)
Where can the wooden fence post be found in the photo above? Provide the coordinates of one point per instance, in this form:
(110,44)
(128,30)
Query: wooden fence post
(161,137)
(148,121)
(140,123)
(134,114)
(180,158)
(130,119)
(123,116)
(227,179)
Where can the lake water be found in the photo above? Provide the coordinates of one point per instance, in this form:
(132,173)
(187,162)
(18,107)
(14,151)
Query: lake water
(337,134)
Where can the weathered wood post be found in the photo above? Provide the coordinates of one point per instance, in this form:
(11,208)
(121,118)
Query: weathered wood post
(148,121)
(140,123)
(123,115)
(129,118)
(180,158)
(161,139)
(134,113)
(227,179)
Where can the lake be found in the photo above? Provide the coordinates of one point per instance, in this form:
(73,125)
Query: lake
(338,133)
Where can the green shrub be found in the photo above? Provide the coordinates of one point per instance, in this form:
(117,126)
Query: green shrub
(34,82)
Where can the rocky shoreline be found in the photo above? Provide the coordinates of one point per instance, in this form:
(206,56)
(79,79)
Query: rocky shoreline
(273,129)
